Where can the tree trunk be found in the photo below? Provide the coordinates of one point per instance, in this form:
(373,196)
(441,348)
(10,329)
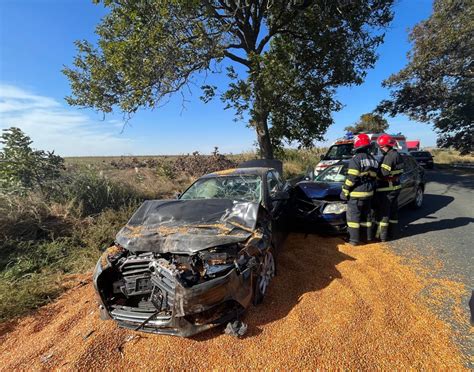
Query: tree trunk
(263,136)
(259,121)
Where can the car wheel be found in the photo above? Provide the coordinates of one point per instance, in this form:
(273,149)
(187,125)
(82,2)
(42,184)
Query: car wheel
(265,275)
(418,202)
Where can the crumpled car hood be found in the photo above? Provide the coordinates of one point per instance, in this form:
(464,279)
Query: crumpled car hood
(188,226)
(320,190)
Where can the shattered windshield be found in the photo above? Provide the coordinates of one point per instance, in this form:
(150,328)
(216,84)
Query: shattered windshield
(246,188)
(336,173)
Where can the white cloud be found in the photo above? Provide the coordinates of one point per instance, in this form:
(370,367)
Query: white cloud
(53,126)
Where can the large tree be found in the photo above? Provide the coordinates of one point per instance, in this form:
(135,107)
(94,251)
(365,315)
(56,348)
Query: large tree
(369,123)
(437,84)
(294,53)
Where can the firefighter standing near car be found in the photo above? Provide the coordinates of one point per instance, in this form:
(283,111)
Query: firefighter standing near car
(388,189)
(358,190)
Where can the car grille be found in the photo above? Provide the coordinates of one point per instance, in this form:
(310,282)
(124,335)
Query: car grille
(164,286)
(136,276)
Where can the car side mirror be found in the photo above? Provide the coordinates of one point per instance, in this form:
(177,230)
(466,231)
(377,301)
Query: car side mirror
(321,156)
(177,195)
(280,195)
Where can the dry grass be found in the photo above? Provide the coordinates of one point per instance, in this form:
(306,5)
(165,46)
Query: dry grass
(442,156)
(332,306)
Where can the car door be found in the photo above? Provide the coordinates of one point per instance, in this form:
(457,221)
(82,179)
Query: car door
(278,192)
(274,186)
(418,176)
(407,181)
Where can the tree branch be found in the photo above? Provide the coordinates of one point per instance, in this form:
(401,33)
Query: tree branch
(235,58)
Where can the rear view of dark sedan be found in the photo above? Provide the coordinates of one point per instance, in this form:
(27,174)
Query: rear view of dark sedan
(424,158)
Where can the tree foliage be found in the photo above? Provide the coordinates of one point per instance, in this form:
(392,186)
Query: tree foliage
(23,168)
(437,84)
(295,54)
(369,123)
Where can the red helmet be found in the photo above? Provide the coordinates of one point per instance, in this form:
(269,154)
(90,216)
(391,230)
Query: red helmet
(386,140)
(361,140)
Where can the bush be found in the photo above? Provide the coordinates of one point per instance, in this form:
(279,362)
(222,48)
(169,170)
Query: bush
(296,162)
(30,218)
(22,168)
(90,193)
(197,164)
(32,271)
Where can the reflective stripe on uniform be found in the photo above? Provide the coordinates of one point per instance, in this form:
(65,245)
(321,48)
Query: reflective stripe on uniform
(353,225)
(349,182)
(353,172)
(398,171)
(393,221)
(368,173)
(387,167)
(385,224)
(390,188)
(366,224)
(346,192)
(361,194)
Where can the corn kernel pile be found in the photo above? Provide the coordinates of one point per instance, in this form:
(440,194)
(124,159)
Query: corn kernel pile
(330,306)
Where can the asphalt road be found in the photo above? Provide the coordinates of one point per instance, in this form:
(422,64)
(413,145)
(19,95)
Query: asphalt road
(442,231)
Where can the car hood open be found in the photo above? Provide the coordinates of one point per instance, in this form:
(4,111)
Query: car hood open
(321,190)
(188,226)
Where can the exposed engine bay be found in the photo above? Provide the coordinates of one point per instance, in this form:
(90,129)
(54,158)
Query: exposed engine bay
(180,267)
(179,294)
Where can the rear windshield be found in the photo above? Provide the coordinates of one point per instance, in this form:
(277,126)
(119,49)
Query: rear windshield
(418,154)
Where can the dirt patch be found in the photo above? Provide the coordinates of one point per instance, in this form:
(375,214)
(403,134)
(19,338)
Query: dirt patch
(331,306)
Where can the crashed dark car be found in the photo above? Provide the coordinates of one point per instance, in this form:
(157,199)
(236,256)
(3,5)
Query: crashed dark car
(316,204)
(182,266)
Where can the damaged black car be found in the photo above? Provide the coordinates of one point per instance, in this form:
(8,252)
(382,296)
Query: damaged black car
(182,266)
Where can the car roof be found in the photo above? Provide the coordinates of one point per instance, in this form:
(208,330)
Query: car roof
(254,171)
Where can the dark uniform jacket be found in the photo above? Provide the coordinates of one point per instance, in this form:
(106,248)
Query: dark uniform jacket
(361,175)
(391,168)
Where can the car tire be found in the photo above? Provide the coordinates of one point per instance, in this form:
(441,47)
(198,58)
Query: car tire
(417,203)
(265,274)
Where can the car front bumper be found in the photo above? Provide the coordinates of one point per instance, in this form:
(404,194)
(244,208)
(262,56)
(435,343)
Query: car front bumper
(194,309)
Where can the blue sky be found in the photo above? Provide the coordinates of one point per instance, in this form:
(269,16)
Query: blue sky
(36,40)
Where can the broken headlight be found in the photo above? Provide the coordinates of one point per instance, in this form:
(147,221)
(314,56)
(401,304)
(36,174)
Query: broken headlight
(335,208)
(219,260)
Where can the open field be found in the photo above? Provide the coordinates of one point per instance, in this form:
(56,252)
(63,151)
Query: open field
(449,157)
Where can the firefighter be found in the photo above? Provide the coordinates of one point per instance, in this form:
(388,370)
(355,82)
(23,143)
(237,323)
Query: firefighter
(388,189)
(358,190)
